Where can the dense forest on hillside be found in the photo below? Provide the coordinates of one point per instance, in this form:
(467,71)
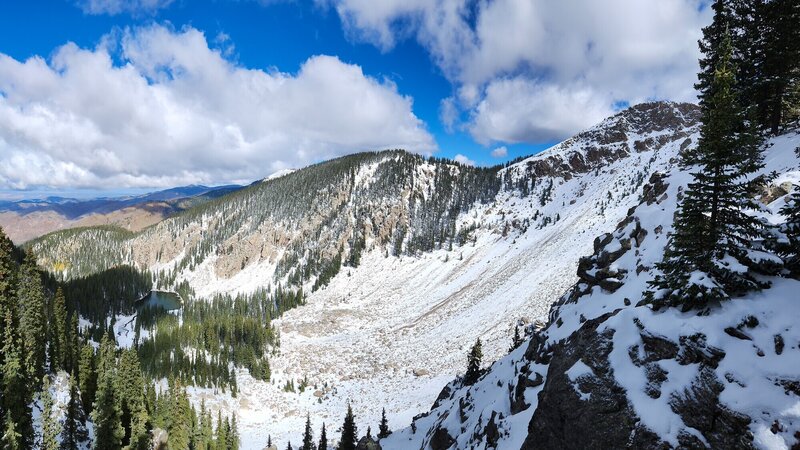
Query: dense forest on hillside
(42,343)
(317,219)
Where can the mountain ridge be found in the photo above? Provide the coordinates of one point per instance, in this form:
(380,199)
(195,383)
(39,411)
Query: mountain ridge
(463,245)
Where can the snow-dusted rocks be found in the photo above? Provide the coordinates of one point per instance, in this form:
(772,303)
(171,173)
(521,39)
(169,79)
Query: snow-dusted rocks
(617,374)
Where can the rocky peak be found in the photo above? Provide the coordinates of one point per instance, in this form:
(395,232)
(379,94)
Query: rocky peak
(640,128)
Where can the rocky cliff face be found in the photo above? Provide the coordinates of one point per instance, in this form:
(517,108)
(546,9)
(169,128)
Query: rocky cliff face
(609,372)
(641,128)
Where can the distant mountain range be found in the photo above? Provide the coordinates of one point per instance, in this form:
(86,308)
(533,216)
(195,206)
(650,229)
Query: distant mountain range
(30,218)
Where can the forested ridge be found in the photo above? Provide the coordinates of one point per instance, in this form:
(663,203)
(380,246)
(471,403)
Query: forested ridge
(307,223)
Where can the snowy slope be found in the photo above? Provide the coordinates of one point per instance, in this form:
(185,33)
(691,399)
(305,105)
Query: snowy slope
(728,379)
(394,331)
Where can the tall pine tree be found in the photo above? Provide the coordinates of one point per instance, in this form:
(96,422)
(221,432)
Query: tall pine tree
(33,321)
(323,439)
(474,364)
(707,257)
(87,377)
(132,404)
(780,71)
(60,336)
(349,431)
(11,438)
(233,435)
(108,430)
(8,281)
(308,436)
(383,427)
(74,430)
(709,47)
(50,426)
(16,396)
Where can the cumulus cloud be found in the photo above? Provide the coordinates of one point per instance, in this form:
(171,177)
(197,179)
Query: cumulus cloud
(459,158)
(114,7)
(176,111)
(520,110)
(589,53)
(500,152)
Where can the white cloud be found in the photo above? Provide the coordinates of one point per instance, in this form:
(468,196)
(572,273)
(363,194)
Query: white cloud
(114,7)
(520,110)
(500,152)
(448,113)
(459,158)
(176,111)
(607,51)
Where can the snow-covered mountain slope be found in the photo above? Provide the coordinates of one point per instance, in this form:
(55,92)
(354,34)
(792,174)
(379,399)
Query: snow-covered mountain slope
(398,326)
(393,331)
(609,372)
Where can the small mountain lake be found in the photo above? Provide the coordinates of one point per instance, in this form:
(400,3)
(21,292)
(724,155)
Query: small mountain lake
(168,301)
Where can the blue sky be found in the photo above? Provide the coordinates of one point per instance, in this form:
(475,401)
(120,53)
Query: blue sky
(453,78)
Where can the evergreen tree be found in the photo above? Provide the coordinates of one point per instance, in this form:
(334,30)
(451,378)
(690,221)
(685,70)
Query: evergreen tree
(72,348)
(474,364)
(74,431)
(780,71)
(710,44)
(179,428)
(517,340)
(16,397)
(7,300)
(151,399)
(383,428)
(11,439)
(8,276)
(108,430)
(349,431)
(87,377)
(206,431)
(60,335)
(234,385)
(222,433)
(50,425)
(33,321)
(323,439)
(308,436)
(233,435)
(130,384)
(712,232)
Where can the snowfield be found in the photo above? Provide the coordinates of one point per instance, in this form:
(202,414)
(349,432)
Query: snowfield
(757,335)
(394,331)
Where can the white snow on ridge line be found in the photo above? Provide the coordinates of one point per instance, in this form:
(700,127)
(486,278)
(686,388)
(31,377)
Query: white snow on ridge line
(278,174)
